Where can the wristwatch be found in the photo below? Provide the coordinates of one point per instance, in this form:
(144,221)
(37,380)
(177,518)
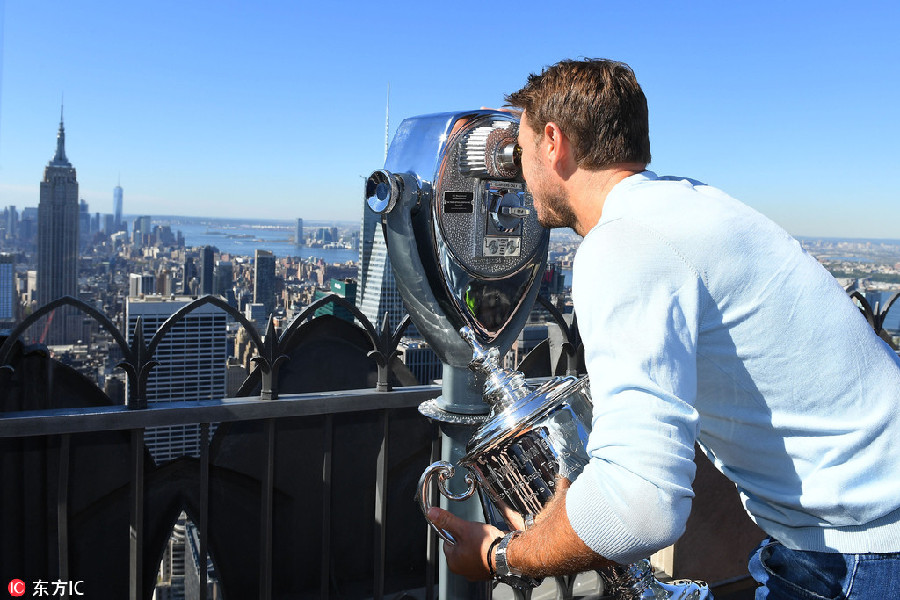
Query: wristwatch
(501,565)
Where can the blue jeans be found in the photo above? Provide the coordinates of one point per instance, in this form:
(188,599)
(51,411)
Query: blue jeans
(785,574)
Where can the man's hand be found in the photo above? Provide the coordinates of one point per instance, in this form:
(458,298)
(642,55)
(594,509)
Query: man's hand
(549,548)
(468,557)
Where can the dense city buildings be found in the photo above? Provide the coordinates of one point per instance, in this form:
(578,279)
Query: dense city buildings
(57,243)
(114,267)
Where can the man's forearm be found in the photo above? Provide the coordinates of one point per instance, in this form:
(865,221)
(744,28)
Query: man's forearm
(549,548)
(552,547)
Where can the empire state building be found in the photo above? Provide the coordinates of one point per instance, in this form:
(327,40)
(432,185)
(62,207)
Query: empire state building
(58,243)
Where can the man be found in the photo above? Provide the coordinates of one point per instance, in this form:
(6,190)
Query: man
(703,322)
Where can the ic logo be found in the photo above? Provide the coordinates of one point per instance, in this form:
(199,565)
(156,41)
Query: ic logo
(16,588)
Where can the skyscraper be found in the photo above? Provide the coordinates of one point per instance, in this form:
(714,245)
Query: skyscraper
(117,207)
(190,274)
(8,295)
(165,284)
(207,270)
(84,223)
(377,292)
(224,277)
(12,223)
(224,281)
(57,250)
(141,229)
(298,233)
(192,366)
(264,280)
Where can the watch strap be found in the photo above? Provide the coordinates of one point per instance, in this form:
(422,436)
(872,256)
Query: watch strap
(490,554)
(501,563)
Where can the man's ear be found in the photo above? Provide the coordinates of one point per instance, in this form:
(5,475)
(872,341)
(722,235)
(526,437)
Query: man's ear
(558,147)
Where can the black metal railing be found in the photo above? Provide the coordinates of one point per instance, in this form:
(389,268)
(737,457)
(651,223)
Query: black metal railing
(875,315)
(64,429)
(138,356)
(56,427)
(64,425)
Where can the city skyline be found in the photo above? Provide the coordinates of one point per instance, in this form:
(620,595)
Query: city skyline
(196,112)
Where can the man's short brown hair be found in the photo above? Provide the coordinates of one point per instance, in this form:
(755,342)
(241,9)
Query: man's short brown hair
(597,103)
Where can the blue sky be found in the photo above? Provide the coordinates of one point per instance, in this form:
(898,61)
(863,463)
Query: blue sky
(275,109)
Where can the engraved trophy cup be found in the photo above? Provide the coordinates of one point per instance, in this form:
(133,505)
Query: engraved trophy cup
(533,436)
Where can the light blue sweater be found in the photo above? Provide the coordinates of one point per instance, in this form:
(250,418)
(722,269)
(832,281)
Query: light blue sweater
(703,320)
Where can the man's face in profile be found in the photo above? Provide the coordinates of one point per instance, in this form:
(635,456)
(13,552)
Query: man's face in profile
(550,198)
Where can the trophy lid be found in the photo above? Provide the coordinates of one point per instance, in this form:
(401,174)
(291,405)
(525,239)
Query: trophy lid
(515,406)
(522,414)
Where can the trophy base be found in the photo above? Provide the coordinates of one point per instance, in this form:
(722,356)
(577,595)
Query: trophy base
(637,582)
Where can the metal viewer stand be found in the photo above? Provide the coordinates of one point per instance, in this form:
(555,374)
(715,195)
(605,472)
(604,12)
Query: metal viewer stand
(466,250)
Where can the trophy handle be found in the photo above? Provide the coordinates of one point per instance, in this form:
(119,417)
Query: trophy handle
(444,471)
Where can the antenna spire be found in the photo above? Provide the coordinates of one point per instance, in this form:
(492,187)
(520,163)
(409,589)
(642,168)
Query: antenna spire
(387,121)
(60,157)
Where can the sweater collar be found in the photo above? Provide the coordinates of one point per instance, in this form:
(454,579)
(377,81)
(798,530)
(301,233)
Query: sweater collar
(614,206)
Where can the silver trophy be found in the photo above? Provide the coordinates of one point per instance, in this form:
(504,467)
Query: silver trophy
(533,436)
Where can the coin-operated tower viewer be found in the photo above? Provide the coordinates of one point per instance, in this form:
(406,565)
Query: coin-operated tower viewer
(467,250)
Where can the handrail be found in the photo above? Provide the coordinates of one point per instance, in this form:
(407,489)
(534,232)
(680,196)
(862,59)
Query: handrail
(103,418)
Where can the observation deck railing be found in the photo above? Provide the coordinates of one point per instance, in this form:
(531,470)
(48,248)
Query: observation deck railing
(60,432)
(60,426)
